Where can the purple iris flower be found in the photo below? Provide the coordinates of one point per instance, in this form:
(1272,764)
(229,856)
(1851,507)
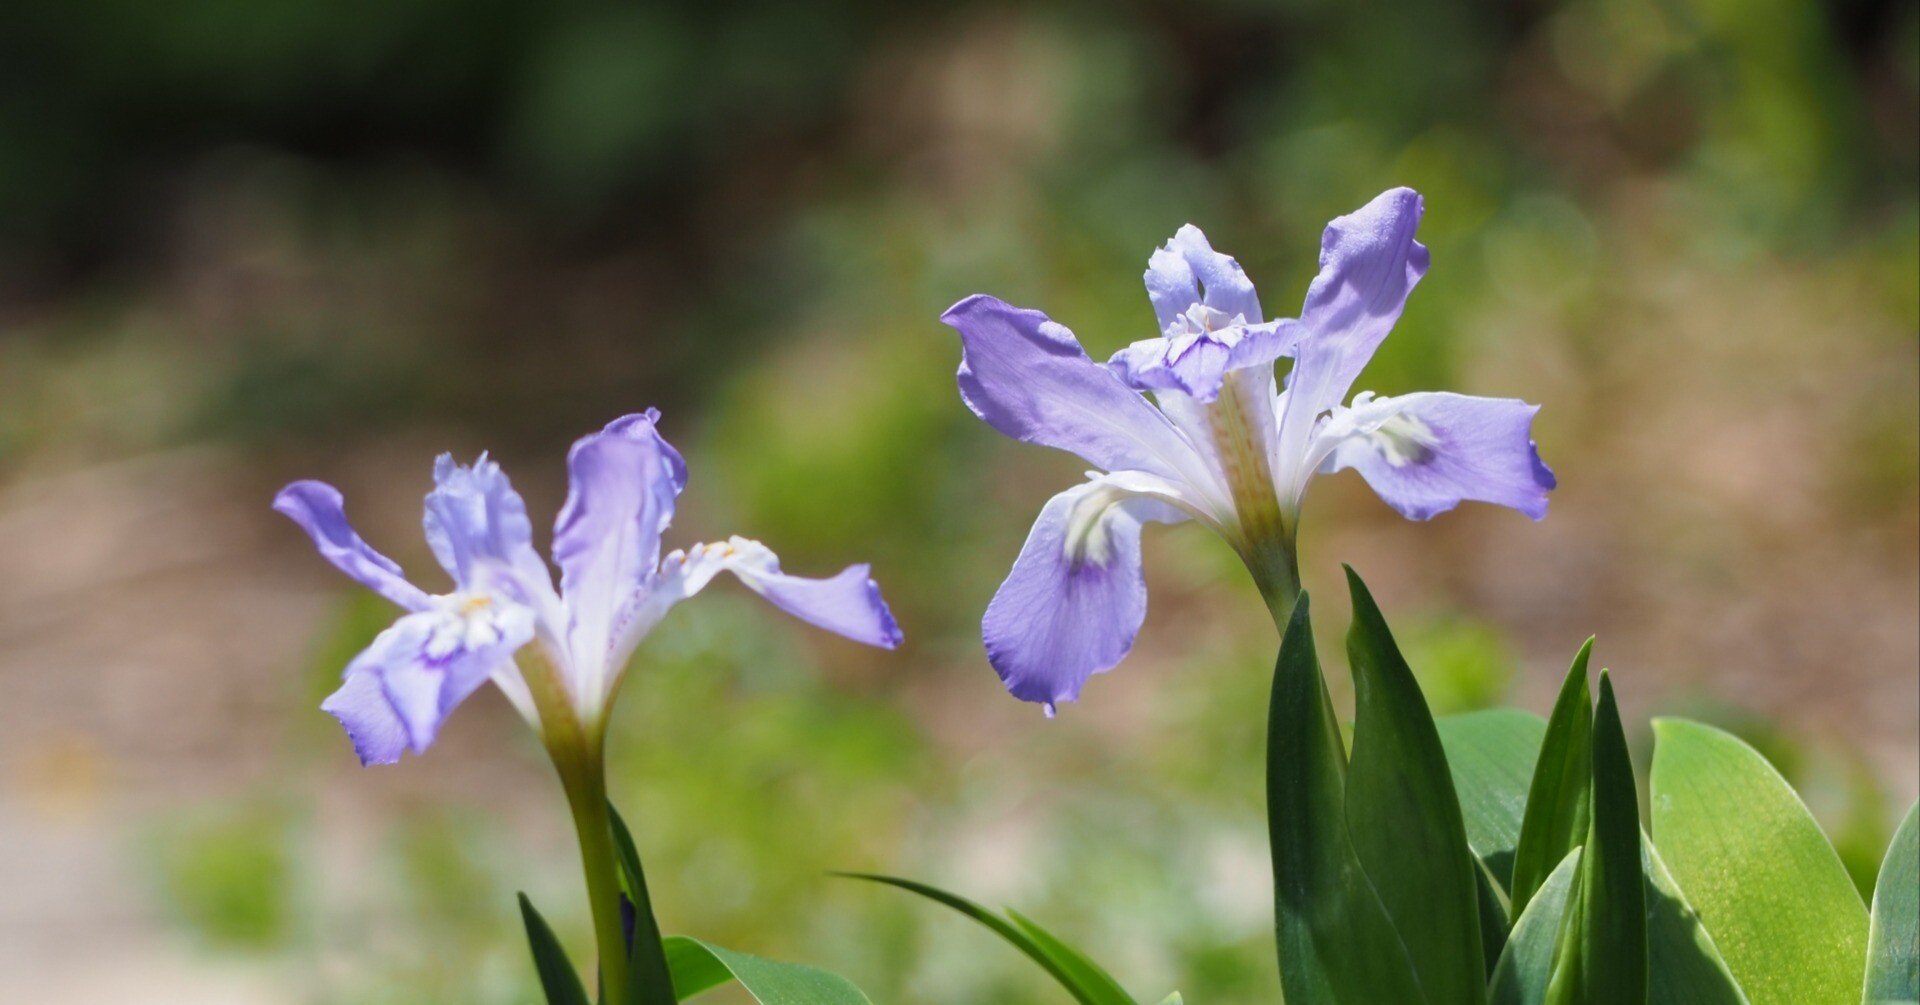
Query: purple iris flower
(1220,442)
(614,587)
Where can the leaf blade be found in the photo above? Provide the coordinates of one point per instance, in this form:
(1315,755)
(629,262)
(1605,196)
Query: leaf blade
(1555,820)
(1893,940)
(558,980)
(769,982)
(1492,754)
(1334,938)
(1766,882)
(1062,970)
(1403,815)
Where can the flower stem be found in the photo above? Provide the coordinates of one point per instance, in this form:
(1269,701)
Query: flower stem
(586,785)
(1276,571)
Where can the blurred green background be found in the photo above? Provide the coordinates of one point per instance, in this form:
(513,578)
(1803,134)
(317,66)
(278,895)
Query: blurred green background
(243,243)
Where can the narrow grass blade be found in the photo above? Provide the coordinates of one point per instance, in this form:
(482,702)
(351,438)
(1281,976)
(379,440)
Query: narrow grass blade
(1088,984)
(558,980)
(769,982)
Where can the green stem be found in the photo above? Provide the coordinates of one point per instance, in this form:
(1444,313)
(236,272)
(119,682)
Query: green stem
(586,785)
(1276,571)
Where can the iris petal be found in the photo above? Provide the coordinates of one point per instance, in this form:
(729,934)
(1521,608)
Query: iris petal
(319,510)
(1028,377)
(1076,596)
(1427,453)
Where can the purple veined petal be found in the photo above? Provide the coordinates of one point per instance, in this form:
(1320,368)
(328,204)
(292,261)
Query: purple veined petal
(397,692)
(1028,377)
(622,484)
(1427,453)
(1076,596)
(847,604)
(1187,271)
(474,516)
(1196,363)
(320,511)
(1369,263)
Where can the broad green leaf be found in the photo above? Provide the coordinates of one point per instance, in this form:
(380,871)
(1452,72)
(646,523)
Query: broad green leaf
(1491,754)
(1403,817)
(1556,809)
(1526,965)
(1683,965)
(1750,858)
(1335,940)
(769,983)
(1602,959)
(558,979)
(1088,984)
(651,979)
(1893,948)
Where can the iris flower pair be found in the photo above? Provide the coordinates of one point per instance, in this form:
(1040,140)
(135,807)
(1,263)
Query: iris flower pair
(1220,442)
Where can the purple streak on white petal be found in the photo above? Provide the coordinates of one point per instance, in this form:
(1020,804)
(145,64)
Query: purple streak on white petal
(319,510)
(1187,271)
(1028,377)
(419,669)
(1196,363)
(1076,596)
(622,483)
(1427,453)
(1369,263)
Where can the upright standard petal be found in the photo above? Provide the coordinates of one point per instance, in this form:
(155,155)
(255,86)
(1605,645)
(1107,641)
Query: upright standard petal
(398,691)
(847,604)
(1187,271)
(1426,453)
(1076,596)
(622,483)
(319,510)
(474,516)
(1369,263)
(1195,361)
(1028,377)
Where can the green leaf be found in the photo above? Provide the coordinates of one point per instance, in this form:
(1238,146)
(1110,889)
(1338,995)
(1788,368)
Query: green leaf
(1084,972)
(1495,918)
(1556,813)
(1893,948)
(1603,952)
(651,978)
(1088,984)
(557,977)
(1683,965)
(1335,939)
(1173,999)
(1403,817)
(1753,862)
(1526,965)
(1491,754)
(769,983)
